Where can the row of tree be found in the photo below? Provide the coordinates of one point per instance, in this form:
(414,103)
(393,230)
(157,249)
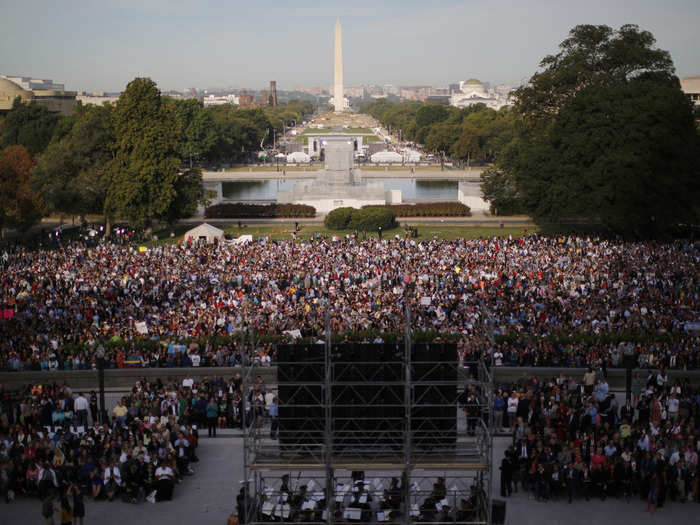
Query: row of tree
(136,160)
(474,133)
(601,135)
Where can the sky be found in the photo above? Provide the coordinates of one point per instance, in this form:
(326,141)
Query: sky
(100,45)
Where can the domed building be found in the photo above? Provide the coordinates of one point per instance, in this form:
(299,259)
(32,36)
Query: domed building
(57,100)
(9,91)
(473,92)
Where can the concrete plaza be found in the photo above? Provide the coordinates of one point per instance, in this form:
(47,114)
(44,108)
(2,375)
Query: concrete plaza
(209,497)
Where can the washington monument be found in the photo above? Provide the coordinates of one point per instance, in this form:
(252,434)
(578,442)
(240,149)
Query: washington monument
(338,97)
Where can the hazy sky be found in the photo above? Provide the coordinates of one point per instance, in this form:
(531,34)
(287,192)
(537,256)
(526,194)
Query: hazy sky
(97,45)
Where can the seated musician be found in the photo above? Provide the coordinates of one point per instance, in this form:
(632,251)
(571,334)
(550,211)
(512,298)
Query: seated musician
(428,510)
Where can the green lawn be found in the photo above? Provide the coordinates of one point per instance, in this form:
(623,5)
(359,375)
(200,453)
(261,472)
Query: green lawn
(283,231)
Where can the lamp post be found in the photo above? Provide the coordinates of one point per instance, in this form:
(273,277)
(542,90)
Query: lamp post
(100,354)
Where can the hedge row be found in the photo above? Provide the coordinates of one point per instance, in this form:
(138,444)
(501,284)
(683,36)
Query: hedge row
(215,341)
(232,210)
(427,209)
(362,219)
(586,338)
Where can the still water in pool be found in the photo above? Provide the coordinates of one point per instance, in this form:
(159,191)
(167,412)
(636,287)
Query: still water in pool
(410,189)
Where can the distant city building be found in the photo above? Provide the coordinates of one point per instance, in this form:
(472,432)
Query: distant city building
(245,100)
(30,83)
(57,100)
(420,93)
(473,92)
(390,89)
(213,100)
(272,100)
(691,87)
(97,99)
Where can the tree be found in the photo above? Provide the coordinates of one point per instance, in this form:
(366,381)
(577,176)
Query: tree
(591,55)
(144,171)
(625,156)
(585,135)
(236,135)
(189,193)
(55,178)
(30,125)
(71,174)
(441,136)
(20,206)
(468,145)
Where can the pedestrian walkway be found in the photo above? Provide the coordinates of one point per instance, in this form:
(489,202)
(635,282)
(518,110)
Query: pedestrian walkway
(209,496)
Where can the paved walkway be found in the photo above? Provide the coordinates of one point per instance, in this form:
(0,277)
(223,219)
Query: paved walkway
(209,497)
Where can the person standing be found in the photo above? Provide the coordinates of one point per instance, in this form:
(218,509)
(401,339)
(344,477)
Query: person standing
(81,406)
(506,475)
(274,414)
(212,416)
(78,504)
(93,406)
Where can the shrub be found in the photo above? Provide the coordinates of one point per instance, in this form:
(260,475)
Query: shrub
(363,219)
(372,218)
(233,210)
(427,209)
(338,219)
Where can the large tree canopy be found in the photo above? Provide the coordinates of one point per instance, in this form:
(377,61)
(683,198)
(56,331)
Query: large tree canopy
(604,135)
(145,169)
(591,55)
(624,156)
(71,174)
(20,206)
(29,125)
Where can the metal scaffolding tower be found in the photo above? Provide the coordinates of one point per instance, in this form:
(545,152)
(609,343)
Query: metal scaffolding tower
(332,469)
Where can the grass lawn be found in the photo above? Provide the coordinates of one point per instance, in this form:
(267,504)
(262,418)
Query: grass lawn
(283,231)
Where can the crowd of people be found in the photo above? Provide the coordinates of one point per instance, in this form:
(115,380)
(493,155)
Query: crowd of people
(58,304)
(572,439)
(54,443)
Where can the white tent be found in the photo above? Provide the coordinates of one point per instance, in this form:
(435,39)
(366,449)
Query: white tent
(204,232)
(410,155)
(386,157)
(243,239)
(298,157)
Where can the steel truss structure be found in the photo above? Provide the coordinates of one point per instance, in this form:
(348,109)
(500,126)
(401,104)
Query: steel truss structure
(428,458)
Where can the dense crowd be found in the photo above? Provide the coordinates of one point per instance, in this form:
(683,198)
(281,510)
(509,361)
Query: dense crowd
(58,304)
(571,439)
(52,444)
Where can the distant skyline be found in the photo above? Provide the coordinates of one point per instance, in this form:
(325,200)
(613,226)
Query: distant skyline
(96,45)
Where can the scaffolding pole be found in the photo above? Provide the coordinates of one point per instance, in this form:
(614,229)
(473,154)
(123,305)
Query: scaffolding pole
(324,453)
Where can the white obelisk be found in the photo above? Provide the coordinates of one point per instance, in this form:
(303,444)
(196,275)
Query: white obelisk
(338,96)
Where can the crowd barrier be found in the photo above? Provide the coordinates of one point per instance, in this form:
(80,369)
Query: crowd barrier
(124,379)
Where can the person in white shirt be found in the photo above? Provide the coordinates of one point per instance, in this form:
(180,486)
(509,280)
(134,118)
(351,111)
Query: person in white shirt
(512,409)
(498,358)
(165,483)
(188,382)
(672,406)
(196,359)
(112,479)
(81,405)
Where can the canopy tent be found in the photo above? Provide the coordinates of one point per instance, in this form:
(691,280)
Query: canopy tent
(298,157)
(204,232)
(386,157)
